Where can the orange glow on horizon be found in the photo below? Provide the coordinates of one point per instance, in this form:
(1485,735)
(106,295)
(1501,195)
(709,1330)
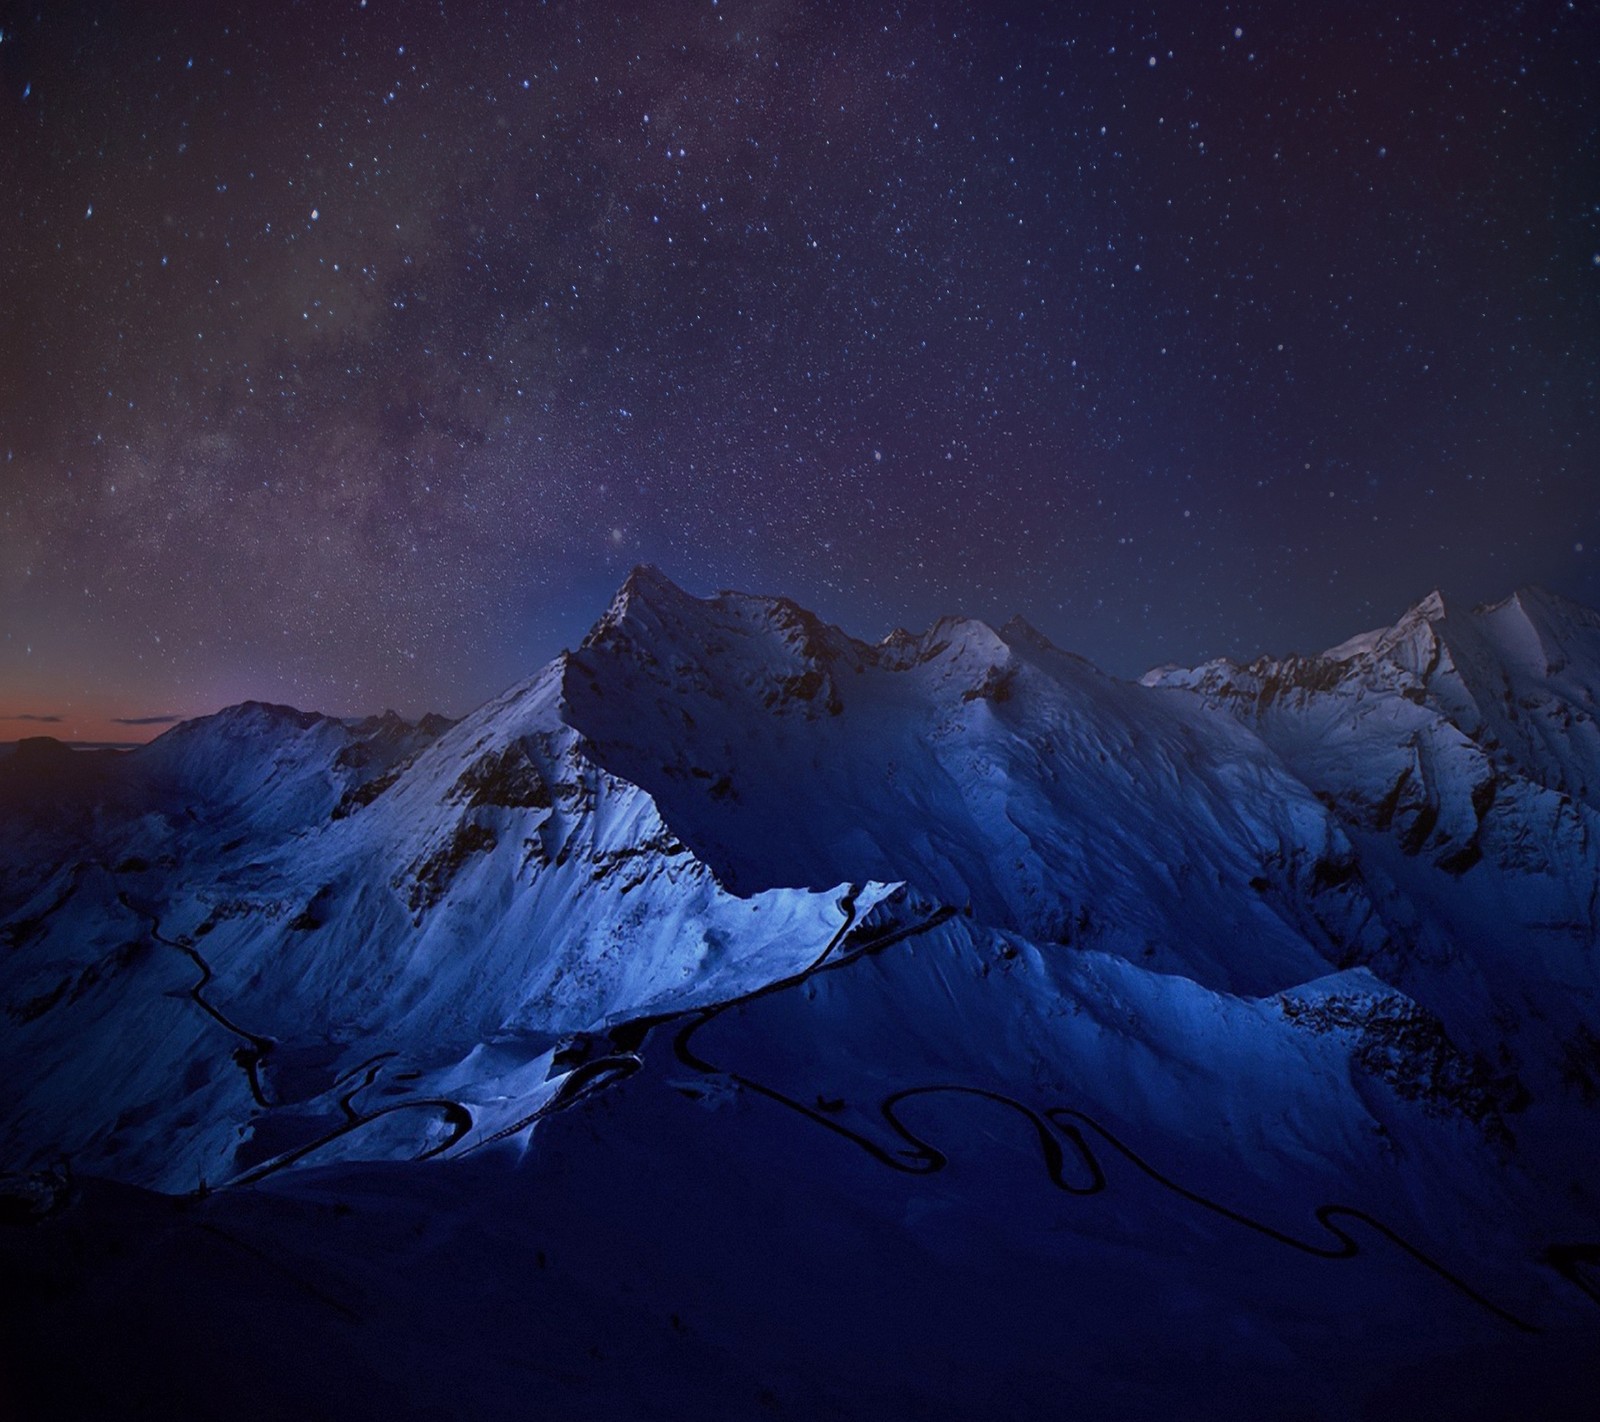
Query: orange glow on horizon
(81,718)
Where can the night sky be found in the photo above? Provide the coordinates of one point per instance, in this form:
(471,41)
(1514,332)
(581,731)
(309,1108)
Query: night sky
(351,352)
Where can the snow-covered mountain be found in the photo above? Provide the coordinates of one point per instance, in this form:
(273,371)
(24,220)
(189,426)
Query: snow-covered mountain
(448,905)
(1460,753)
(1265,998)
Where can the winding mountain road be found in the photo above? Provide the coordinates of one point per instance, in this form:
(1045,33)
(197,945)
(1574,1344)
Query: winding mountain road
(1055,1128)
(592,1076)
(1062,1133)
(583,1081)
(248,1057)
(457,1117)
(1054,1125)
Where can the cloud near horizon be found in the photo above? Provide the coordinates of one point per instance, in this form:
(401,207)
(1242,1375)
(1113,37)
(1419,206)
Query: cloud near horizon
(145,720)
(43,720)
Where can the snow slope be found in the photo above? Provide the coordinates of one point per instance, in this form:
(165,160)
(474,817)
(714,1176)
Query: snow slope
(451,912)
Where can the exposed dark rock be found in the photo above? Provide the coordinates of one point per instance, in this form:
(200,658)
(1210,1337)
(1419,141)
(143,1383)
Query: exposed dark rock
(1300,674)
(431,877)
(665,843)
(1580,1064)
(1416,833)
(1458,861)
(1407,1047)
(359,795)
(506,778)
(996,686)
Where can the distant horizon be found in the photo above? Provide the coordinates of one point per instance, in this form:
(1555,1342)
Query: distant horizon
(114,731)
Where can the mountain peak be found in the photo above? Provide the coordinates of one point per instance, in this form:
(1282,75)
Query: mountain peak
(1019,632)
(1534,600)
(252,716)
(646,578)
(646,589)
(1425,613)
(1430,609)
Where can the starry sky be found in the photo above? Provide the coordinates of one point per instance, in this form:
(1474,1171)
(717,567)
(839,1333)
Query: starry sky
(352,351)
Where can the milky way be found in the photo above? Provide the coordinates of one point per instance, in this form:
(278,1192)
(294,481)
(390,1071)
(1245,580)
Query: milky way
(351,352)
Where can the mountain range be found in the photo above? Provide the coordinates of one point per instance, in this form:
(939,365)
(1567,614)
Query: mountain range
(737,1018)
